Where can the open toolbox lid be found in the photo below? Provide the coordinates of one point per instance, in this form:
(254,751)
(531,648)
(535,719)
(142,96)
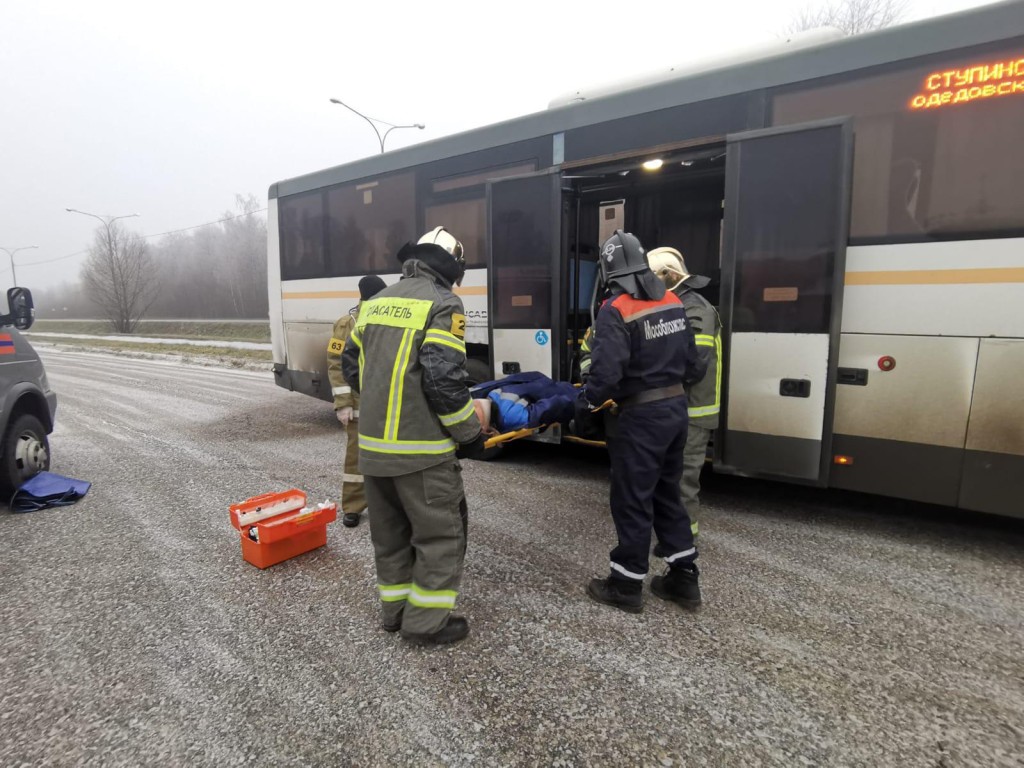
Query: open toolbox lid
(279,516)
(259,508)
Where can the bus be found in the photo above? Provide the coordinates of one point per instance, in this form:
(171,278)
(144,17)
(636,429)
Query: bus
(857,201)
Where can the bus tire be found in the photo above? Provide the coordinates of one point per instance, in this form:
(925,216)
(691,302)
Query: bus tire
(479,371)
(490,454)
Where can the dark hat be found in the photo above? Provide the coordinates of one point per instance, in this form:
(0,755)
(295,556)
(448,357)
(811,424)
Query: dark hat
(370,286)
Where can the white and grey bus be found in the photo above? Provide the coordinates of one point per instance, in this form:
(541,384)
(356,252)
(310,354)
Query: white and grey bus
(858,203)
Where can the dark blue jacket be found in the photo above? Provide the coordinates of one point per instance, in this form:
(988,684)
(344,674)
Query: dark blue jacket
(528,399)
(639,345)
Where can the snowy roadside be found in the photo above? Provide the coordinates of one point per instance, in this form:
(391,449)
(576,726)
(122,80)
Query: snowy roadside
(207,356)
(224,343)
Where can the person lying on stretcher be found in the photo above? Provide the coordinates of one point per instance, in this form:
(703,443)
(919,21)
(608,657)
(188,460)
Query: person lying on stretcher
(523,401)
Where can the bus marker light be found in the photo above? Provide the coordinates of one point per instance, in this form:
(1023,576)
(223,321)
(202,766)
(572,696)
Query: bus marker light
(886,363)
(843,460)
(653,165)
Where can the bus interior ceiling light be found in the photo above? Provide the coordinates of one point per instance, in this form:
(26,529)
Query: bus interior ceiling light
(653,165)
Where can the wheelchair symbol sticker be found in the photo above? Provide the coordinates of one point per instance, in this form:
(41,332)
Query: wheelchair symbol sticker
(541,338)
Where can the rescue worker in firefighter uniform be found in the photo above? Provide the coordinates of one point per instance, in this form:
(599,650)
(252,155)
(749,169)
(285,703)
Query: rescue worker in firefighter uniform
(704,396)
(346,405)
(642,354)
(407,359)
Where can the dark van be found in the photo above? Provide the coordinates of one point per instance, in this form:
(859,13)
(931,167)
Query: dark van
(28,404)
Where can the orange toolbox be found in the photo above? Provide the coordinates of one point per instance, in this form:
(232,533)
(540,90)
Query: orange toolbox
(279,526)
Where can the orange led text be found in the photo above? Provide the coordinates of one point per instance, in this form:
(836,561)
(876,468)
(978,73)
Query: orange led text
(959,86)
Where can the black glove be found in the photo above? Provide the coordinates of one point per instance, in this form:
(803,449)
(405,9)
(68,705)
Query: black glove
(586,423)
(472,450)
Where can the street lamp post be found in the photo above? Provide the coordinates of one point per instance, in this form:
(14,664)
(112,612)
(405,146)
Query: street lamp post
(107,221)
(10,252)
(373,124)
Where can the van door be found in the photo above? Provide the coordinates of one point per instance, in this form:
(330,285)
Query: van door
(783,261)
(526,273)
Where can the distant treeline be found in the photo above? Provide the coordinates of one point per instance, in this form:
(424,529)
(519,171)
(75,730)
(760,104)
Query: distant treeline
(217,271)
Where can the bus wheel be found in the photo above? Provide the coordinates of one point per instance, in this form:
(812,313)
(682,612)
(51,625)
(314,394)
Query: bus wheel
(479,371)
(490,454)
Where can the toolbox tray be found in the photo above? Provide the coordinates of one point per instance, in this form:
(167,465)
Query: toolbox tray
(294,524)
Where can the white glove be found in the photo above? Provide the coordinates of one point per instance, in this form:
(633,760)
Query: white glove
(344,415)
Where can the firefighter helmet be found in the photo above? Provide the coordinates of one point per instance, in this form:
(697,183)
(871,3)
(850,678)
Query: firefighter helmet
(668,264)
(444,238)
(624,264)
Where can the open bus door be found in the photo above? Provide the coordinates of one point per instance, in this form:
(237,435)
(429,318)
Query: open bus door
(783,261)
(526,221)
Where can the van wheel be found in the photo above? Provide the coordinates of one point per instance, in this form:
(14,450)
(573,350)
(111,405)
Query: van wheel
(26,453)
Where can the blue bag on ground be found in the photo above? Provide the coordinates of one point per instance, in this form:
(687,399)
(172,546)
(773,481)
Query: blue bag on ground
(48,490)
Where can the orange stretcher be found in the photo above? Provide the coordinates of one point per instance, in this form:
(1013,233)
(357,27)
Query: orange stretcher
(275,527)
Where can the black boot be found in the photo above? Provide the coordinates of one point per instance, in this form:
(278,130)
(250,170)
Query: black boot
(456,629)
(392,625)
(622,594)
(350,519)
(679,586)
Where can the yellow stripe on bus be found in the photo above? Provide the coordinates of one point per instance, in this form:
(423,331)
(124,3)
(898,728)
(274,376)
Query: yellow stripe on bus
(476,290)
(937,276)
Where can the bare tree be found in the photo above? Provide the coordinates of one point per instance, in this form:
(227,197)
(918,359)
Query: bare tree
(120,276)
(853,17)
(244,246)
(217,271)
(211,271)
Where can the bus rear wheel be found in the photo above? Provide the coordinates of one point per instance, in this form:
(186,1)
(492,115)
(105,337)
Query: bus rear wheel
(479,371)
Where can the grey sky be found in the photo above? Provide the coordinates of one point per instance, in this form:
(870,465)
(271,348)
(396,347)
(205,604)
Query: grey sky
(169,109)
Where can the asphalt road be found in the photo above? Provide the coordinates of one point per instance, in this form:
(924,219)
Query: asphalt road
(836,630)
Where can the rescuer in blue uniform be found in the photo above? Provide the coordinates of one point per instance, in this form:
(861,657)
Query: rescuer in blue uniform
(642,354)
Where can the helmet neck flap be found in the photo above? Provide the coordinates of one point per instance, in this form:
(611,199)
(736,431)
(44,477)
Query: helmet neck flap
(624,265)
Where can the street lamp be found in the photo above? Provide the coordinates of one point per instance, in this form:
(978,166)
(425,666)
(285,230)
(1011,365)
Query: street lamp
(10,252)
(107,221)
(373,124)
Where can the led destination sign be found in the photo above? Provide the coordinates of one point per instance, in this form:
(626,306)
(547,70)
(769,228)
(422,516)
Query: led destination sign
(960,86)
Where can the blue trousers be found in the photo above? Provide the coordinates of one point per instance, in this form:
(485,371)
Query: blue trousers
(647,462)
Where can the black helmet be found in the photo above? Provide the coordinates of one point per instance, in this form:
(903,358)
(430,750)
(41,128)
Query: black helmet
(624,263)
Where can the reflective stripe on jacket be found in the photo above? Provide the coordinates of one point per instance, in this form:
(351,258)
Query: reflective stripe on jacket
(585,353)
(705,395)
(344,397)
(407,359)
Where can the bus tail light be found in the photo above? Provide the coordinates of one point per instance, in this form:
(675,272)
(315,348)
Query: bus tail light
(843,460)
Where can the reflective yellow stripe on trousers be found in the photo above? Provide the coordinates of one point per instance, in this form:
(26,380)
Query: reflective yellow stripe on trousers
(393,593)
(432,598)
